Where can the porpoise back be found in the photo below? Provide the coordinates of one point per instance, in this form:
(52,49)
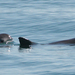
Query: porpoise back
(69,41)
(26,43)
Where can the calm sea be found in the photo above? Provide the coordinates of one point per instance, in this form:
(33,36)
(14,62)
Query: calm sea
(41,21)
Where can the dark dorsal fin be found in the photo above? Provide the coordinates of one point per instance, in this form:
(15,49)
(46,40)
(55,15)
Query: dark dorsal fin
(24,41)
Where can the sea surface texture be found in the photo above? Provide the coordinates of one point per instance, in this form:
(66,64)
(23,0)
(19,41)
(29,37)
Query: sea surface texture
(41,21)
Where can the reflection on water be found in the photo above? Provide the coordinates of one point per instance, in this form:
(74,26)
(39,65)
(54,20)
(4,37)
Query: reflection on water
(24,50)
(27,50)
(8,48)
(5,49)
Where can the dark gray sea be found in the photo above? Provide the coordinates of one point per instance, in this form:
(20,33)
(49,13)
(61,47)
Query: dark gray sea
(41,21)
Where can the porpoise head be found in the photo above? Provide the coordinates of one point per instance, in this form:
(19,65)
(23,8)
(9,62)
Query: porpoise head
(5,38)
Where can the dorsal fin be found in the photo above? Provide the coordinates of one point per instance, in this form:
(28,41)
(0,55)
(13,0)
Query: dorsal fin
(24,41)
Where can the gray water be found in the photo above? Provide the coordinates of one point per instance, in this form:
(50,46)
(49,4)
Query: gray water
(41,21)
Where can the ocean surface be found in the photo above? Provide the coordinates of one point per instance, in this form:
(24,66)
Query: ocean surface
(41,21)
